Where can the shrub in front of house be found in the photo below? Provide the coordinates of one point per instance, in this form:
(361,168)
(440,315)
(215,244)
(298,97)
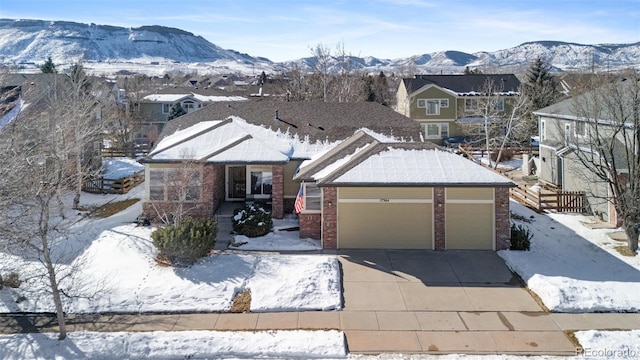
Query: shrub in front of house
(184,243)
(252,220)
(12,280)
(520,237)
(507,154)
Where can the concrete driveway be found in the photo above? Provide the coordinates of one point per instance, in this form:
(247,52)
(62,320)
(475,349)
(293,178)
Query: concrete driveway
(415,301)
(433,281)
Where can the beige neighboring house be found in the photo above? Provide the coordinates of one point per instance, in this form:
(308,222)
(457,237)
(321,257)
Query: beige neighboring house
(443,104)
(155,109)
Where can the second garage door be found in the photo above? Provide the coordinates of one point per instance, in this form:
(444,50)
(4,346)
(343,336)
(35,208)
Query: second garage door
(469,219)
(391,218)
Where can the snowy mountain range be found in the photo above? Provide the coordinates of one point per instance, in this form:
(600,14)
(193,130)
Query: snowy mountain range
(27,43)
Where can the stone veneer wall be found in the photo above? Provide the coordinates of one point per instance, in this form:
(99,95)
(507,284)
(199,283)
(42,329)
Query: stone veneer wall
(329,218)
(502,218)
(277,192)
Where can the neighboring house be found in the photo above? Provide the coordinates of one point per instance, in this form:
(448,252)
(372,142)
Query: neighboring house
(565,132)
(253,148)
(365,182)
(154,109)
(441,104)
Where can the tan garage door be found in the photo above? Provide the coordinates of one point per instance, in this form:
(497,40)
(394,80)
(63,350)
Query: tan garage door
(469,219)
(395,219)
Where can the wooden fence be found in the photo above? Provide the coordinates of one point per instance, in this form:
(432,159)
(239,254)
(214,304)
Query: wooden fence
(540,199)
(114,186)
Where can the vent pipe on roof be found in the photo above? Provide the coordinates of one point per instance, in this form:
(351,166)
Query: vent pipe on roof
(277,118)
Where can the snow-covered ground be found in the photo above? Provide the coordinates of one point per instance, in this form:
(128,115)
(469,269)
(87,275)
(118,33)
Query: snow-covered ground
(610,344)
(118,168)
(573,268)
(116,266)
(284,237)
(113,267)
(176,345)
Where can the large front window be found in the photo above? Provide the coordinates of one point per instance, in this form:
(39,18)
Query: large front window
(435,130)
(179,184)
(261,182)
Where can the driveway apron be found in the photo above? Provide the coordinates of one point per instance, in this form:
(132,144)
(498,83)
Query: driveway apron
(420,301)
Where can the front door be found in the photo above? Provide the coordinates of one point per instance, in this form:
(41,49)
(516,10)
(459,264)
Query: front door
(236,182)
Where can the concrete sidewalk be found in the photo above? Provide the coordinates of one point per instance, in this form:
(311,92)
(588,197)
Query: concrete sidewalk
(433,332)
(395,302)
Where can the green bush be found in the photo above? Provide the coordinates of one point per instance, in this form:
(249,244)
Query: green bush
(184,243)
(520,237)
(252,221)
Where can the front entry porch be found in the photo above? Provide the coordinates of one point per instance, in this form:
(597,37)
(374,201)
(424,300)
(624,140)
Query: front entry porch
(255,183)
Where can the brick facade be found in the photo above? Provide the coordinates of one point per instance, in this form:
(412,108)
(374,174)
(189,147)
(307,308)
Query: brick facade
(277,192)
(439,218)
(211,195)
(310,226)
(502,226)
(329,218)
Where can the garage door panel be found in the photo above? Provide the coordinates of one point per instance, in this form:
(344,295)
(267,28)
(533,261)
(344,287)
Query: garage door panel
(469,226)
(385,225)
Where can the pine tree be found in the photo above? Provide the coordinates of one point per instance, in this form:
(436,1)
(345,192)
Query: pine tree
(540,90)
(48,67)
(540,86)
(176,111)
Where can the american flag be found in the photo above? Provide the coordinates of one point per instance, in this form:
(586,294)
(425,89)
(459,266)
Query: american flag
(299,204)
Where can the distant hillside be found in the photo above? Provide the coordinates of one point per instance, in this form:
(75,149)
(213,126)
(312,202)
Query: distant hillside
(27,43)
(32,41)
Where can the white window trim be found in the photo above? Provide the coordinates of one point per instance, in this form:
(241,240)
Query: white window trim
(471,100)
(168,108)
(495,105)
(440,127)
(441,103)
(433,101)
(584,132)
(311,211)
(424,103)
(543,130)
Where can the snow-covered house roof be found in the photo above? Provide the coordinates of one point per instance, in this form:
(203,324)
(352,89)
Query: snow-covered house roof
(466,84)
(366,161)
(232,140)
(172,98)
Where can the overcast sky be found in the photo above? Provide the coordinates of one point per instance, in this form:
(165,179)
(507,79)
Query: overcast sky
(287,29)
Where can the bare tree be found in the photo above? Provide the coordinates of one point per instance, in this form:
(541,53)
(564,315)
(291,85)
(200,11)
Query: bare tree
(322,61)
(607,144)
(80,116)
(176,192)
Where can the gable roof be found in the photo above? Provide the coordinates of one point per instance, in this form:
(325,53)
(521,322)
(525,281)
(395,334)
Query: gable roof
(465,84)
(312,121)
(173,97)
(365,161)
(223,141)
(568,108)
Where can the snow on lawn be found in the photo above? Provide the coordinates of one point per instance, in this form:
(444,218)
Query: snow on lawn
(120,264)
(573,268)
(176,345)
(610,344)
(115,263)
(284,237)
(118,168)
